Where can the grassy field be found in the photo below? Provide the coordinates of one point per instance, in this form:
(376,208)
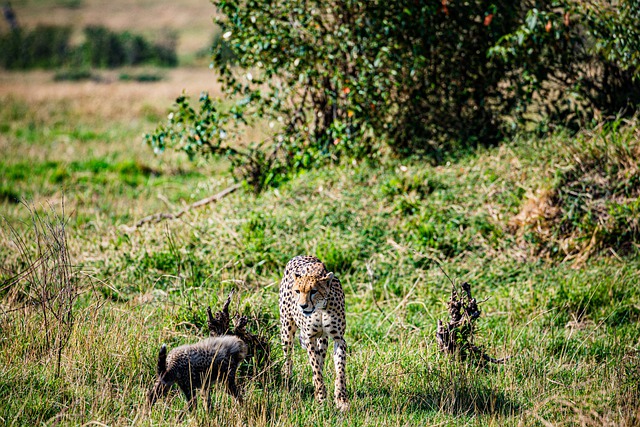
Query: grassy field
(562,295)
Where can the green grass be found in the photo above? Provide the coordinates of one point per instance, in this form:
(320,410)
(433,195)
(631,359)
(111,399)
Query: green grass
(569,320)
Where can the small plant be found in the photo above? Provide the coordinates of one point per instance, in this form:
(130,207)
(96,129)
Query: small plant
(258,346)
(457,337)
(49,285)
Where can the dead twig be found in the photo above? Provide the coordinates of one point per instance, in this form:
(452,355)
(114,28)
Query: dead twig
(220,324)
(456,337)
(155,218)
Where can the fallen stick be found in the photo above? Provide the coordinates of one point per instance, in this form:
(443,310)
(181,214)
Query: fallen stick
(155,218)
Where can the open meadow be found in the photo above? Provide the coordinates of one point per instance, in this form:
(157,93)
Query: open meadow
(560,295)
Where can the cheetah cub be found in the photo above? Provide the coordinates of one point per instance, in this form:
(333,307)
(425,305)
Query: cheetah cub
(197,366)
(312,300)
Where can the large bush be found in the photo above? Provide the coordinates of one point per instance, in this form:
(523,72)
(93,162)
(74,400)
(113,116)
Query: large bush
(573,62)
(345,77)
(420,77)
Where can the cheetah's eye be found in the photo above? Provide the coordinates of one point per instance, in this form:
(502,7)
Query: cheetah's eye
(297,291)
(314,291)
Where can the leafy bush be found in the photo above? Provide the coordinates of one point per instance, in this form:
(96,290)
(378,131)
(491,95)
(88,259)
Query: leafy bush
(418,77)
(341,81)
(140,77)
(74,74)
(577,61)
(345,78)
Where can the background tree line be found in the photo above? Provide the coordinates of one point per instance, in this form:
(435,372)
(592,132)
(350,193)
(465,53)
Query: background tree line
(49,46)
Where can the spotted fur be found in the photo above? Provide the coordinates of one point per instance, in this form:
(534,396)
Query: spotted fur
(312,300)
(197,366)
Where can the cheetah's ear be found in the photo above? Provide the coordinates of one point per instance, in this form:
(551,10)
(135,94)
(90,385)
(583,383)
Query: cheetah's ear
(296,275)
(328,278)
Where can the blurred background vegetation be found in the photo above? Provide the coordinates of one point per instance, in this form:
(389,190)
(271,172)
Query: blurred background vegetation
(50,47)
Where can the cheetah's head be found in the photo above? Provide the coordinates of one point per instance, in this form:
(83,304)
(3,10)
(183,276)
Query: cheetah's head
(311,292)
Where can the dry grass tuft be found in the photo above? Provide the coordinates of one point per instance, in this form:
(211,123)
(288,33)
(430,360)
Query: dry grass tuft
(537,213)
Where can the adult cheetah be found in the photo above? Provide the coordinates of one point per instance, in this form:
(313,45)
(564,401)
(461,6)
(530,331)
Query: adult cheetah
(311,299)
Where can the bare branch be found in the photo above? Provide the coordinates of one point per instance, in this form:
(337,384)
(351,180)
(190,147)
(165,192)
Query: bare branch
(155,218)
(456,337)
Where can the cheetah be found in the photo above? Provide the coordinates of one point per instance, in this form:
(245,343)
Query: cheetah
(312,300)
(197,366)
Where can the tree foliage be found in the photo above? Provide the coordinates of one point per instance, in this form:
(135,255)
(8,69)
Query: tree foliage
(351,77)
(574,62)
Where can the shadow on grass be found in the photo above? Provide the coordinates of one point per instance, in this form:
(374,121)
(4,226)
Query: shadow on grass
(466,399)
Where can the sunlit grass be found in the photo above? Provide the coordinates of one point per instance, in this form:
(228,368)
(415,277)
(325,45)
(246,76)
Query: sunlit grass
(384,229)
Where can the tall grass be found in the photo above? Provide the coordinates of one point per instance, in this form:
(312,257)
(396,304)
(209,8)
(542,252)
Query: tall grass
(47,287)
(570,327)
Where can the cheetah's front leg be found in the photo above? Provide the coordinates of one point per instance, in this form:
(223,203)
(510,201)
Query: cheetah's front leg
(287,333)
(317,362)
(340,361)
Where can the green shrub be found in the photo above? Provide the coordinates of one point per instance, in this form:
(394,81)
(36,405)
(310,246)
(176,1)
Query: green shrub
(73,74)
(421,78)
(575,62)
(141,77)
(421,75)
(352,75)
(341,81)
